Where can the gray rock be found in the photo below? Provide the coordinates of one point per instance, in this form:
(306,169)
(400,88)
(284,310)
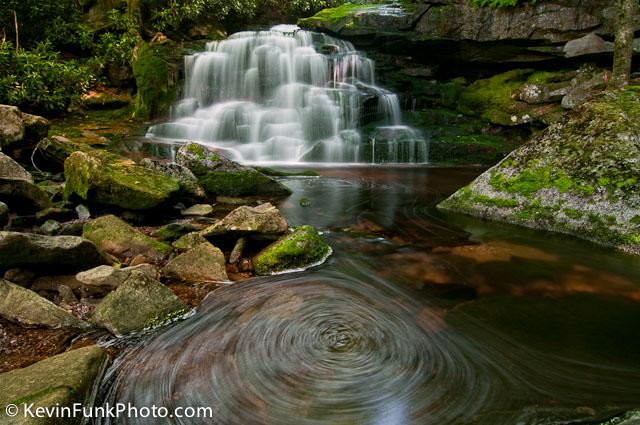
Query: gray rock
(58,381)
(198,210)
(83,212)
(110,278)
(50,227)
(9,169)
(189,241)
(237,251)
(4,214)
(139,302)
(11,125)
(52,252)
(264,219)
(204,263)
(588,45)
(188,181)
(23,306)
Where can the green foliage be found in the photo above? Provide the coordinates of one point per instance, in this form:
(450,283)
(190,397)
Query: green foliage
(115,45)
(38,80)
(501,3)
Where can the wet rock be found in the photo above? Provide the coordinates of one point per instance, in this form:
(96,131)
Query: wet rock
(108,278)
(198,210)
(237,251)
(11,125)
(50,227)
(204,263)
(138,303)
(23,306)
(304,247)
(59,381)
(122,240)
(189,241)
(188,181)
(52,252)
(4,214)
(20,277)
(264,219)
(107,179)
(588,45)
(221,176)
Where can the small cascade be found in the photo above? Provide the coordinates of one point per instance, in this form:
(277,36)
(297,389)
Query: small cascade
(287,95)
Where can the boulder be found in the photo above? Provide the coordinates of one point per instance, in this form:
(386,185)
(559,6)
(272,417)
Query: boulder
(188,241)
(188,182)
(204,263)
(4,214)
(9,169)
(221,176)
(122,240)
(580,176)
(50,227)
(300,249)
(36,128)
(590,44)
(59,253)
(25,307)
(55,150)
(198,210)
(265,219)
(59,381)
(139,302)
(107,278)
(17,187)
(107,179)
(11,125)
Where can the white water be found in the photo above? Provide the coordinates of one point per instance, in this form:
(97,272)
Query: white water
(288,95)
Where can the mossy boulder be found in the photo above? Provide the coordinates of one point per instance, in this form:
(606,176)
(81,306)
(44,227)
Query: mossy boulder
(221,176)
(25,307)
(140,302)
(117,237)
(302,248)
(265,219)
(189,241)
(203,263)
(58,381)
(107,179)
(580,176)
(53,253)
(53,151)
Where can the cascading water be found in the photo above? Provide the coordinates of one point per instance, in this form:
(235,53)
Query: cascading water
(288,95)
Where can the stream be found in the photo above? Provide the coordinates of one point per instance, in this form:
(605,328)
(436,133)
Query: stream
(417,318)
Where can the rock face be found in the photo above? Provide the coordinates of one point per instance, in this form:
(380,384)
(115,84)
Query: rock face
(107,179)
(264,219)
(221,176)
(122,240)
(138,303)
(304,247)
(23,306)
(580,176)
(204,263)
(61,380)
(59,253)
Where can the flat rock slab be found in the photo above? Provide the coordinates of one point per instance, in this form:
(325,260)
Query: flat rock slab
(57,381)
(59,253)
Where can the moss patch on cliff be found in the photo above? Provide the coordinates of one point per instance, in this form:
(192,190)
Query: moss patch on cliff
(333,15)
(155,72)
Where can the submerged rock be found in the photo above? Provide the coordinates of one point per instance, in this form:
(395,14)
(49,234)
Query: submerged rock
(23,306)
(204,263)
(304,247)
(59,381)
(264,219)
(139,302)
(580,176)
(107,179)
(221,176)
(122,240)
(70,253)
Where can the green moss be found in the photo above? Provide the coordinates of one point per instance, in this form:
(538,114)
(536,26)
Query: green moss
(301,248)
(155,72)
(496,202)
(112,230)
(333,15)
(238,183)
(573,213)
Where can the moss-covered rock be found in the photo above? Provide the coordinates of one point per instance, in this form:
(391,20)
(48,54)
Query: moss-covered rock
(139,302)
(189,241)
(173,231)
(356,19)
(203,263)
(302,248)
(581,177)
(122,240)
(107,179)
(55,382)
(221,176)
(55,150)
(155,71)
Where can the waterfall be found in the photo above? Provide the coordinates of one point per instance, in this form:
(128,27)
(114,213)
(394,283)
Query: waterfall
(289,96)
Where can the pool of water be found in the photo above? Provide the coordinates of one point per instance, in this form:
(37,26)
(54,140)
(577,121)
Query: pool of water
(419,317)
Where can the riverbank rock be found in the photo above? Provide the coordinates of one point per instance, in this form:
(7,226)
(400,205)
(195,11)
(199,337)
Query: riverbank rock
(58,381)
(265,219)
(139,302)
(302,248)
(580,176)
(53,253)
(107,179)
(221,176)
(118,238)
(25,307)
(107,278)
(203,263)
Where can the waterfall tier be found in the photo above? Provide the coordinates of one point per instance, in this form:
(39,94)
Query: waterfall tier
(287,95)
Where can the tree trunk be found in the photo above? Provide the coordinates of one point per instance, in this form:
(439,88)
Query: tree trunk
(623,51)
